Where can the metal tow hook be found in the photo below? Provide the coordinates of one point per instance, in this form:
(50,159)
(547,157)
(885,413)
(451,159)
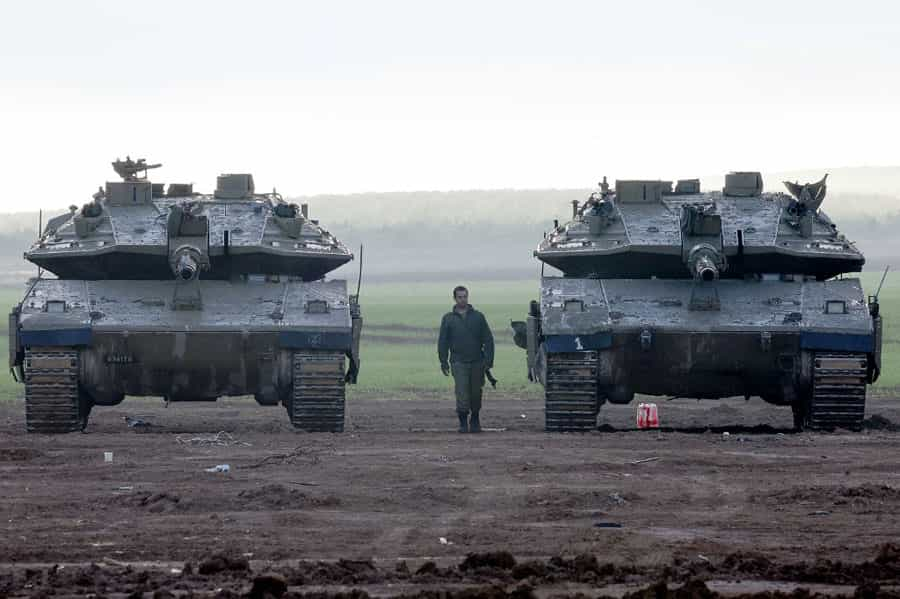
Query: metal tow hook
(646,339)
(765,341)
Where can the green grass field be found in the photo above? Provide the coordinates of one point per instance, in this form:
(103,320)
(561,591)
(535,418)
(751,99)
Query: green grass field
(399,337)
(413,363)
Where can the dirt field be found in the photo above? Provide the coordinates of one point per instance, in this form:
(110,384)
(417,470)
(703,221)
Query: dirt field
(396,504)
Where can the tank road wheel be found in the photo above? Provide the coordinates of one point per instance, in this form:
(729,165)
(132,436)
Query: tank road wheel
(52,401)
(839,391)
(570,392)
(317,398)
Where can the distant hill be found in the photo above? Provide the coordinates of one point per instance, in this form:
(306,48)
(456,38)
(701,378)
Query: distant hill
(853,191)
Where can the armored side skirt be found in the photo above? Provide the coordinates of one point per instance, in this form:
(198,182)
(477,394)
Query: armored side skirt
(774,366)
(194,365)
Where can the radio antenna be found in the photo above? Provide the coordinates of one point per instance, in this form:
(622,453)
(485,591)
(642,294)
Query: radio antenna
(359,280)
(40,234)
(883,277)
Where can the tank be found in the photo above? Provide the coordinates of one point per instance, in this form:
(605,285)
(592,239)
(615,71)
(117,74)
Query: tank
(154,290)
(670,291)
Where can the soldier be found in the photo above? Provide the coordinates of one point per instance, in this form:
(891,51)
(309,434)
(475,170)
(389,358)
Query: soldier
(466,336)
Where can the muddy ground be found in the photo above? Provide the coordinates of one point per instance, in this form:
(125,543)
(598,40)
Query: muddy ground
(395,505)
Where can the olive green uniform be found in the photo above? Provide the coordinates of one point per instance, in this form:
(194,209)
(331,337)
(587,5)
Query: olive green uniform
(467,338)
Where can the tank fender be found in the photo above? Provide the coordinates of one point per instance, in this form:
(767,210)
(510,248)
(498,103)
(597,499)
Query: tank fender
(611,378)
(355,336)
(606,368)
(875,357)
(532,343)
(619,394)
(93,379)
(16,351)
(520,333)
(267,388)
(805,372)
(103,399)
(539,370)
(284,371)
(527,335)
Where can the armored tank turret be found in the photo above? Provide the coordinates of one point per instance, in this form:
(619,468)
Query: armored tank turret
(164,291)
(667,290)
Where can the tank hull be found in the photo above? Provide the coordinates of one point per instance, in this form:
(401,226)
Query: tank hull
(593,340)
(135,338)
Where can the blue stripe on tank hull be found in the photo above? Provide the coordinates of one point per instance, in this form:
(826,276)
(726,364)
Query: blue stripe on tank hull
(56,337)
(837,342)
(570,343)
(808,340)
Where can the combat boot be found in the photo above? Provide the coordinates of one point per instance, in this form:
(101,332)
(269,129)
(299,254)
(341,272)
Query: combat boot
(463,422)
(474,424)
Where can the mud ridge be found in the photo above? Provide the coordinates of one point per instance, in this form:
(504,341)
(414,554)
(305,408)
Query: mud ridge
(876,422)
(833,495)
(490,575)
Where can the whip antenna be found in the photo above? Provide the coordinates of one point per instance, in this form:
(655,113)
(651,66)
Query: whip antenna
(883,277)
(359,280)
(40,234)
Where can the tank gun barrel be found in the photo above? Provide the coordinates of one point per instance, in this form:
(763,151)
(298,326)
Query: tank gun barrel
(185,266)
(705,269)
(705,262)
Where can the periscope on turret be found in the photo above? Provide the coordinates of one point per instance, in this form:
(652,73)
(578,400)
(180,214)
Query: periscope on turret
(672,291)
(189,296)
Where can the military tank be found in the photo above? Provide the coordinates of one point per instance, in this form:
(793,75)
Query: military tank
(670,291)
(163,291)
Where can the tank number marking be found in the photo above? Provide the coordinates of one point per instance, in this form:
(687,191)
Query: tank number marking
(119,359)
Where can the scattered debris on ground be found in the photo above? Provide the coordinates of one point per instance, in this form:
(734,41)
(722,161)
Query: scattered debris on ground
(220,439)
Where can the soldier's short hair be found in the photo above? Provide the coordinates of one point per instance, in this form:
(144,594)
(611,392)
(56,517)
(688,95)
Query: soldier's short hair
(459,288)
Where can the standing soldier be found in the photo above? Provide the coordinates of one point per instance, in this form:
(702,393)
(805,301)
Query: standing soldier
(466,336)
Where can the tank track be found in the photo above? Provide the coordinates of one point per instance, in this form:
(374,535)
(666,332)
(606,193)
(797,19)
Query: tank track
(52,402)
(839,391)
(317,397)
(570,392)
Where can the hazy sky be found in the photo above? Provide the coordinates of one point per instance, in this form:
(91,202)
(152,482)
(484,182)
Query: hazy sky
(336,96)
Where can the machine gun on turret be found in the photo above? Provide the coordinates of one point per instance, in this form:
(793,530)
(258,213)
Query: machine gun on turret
(128,169)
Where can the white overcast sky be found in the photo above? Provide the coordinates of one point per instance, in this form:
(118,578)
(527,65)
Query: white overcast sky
(345,96)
